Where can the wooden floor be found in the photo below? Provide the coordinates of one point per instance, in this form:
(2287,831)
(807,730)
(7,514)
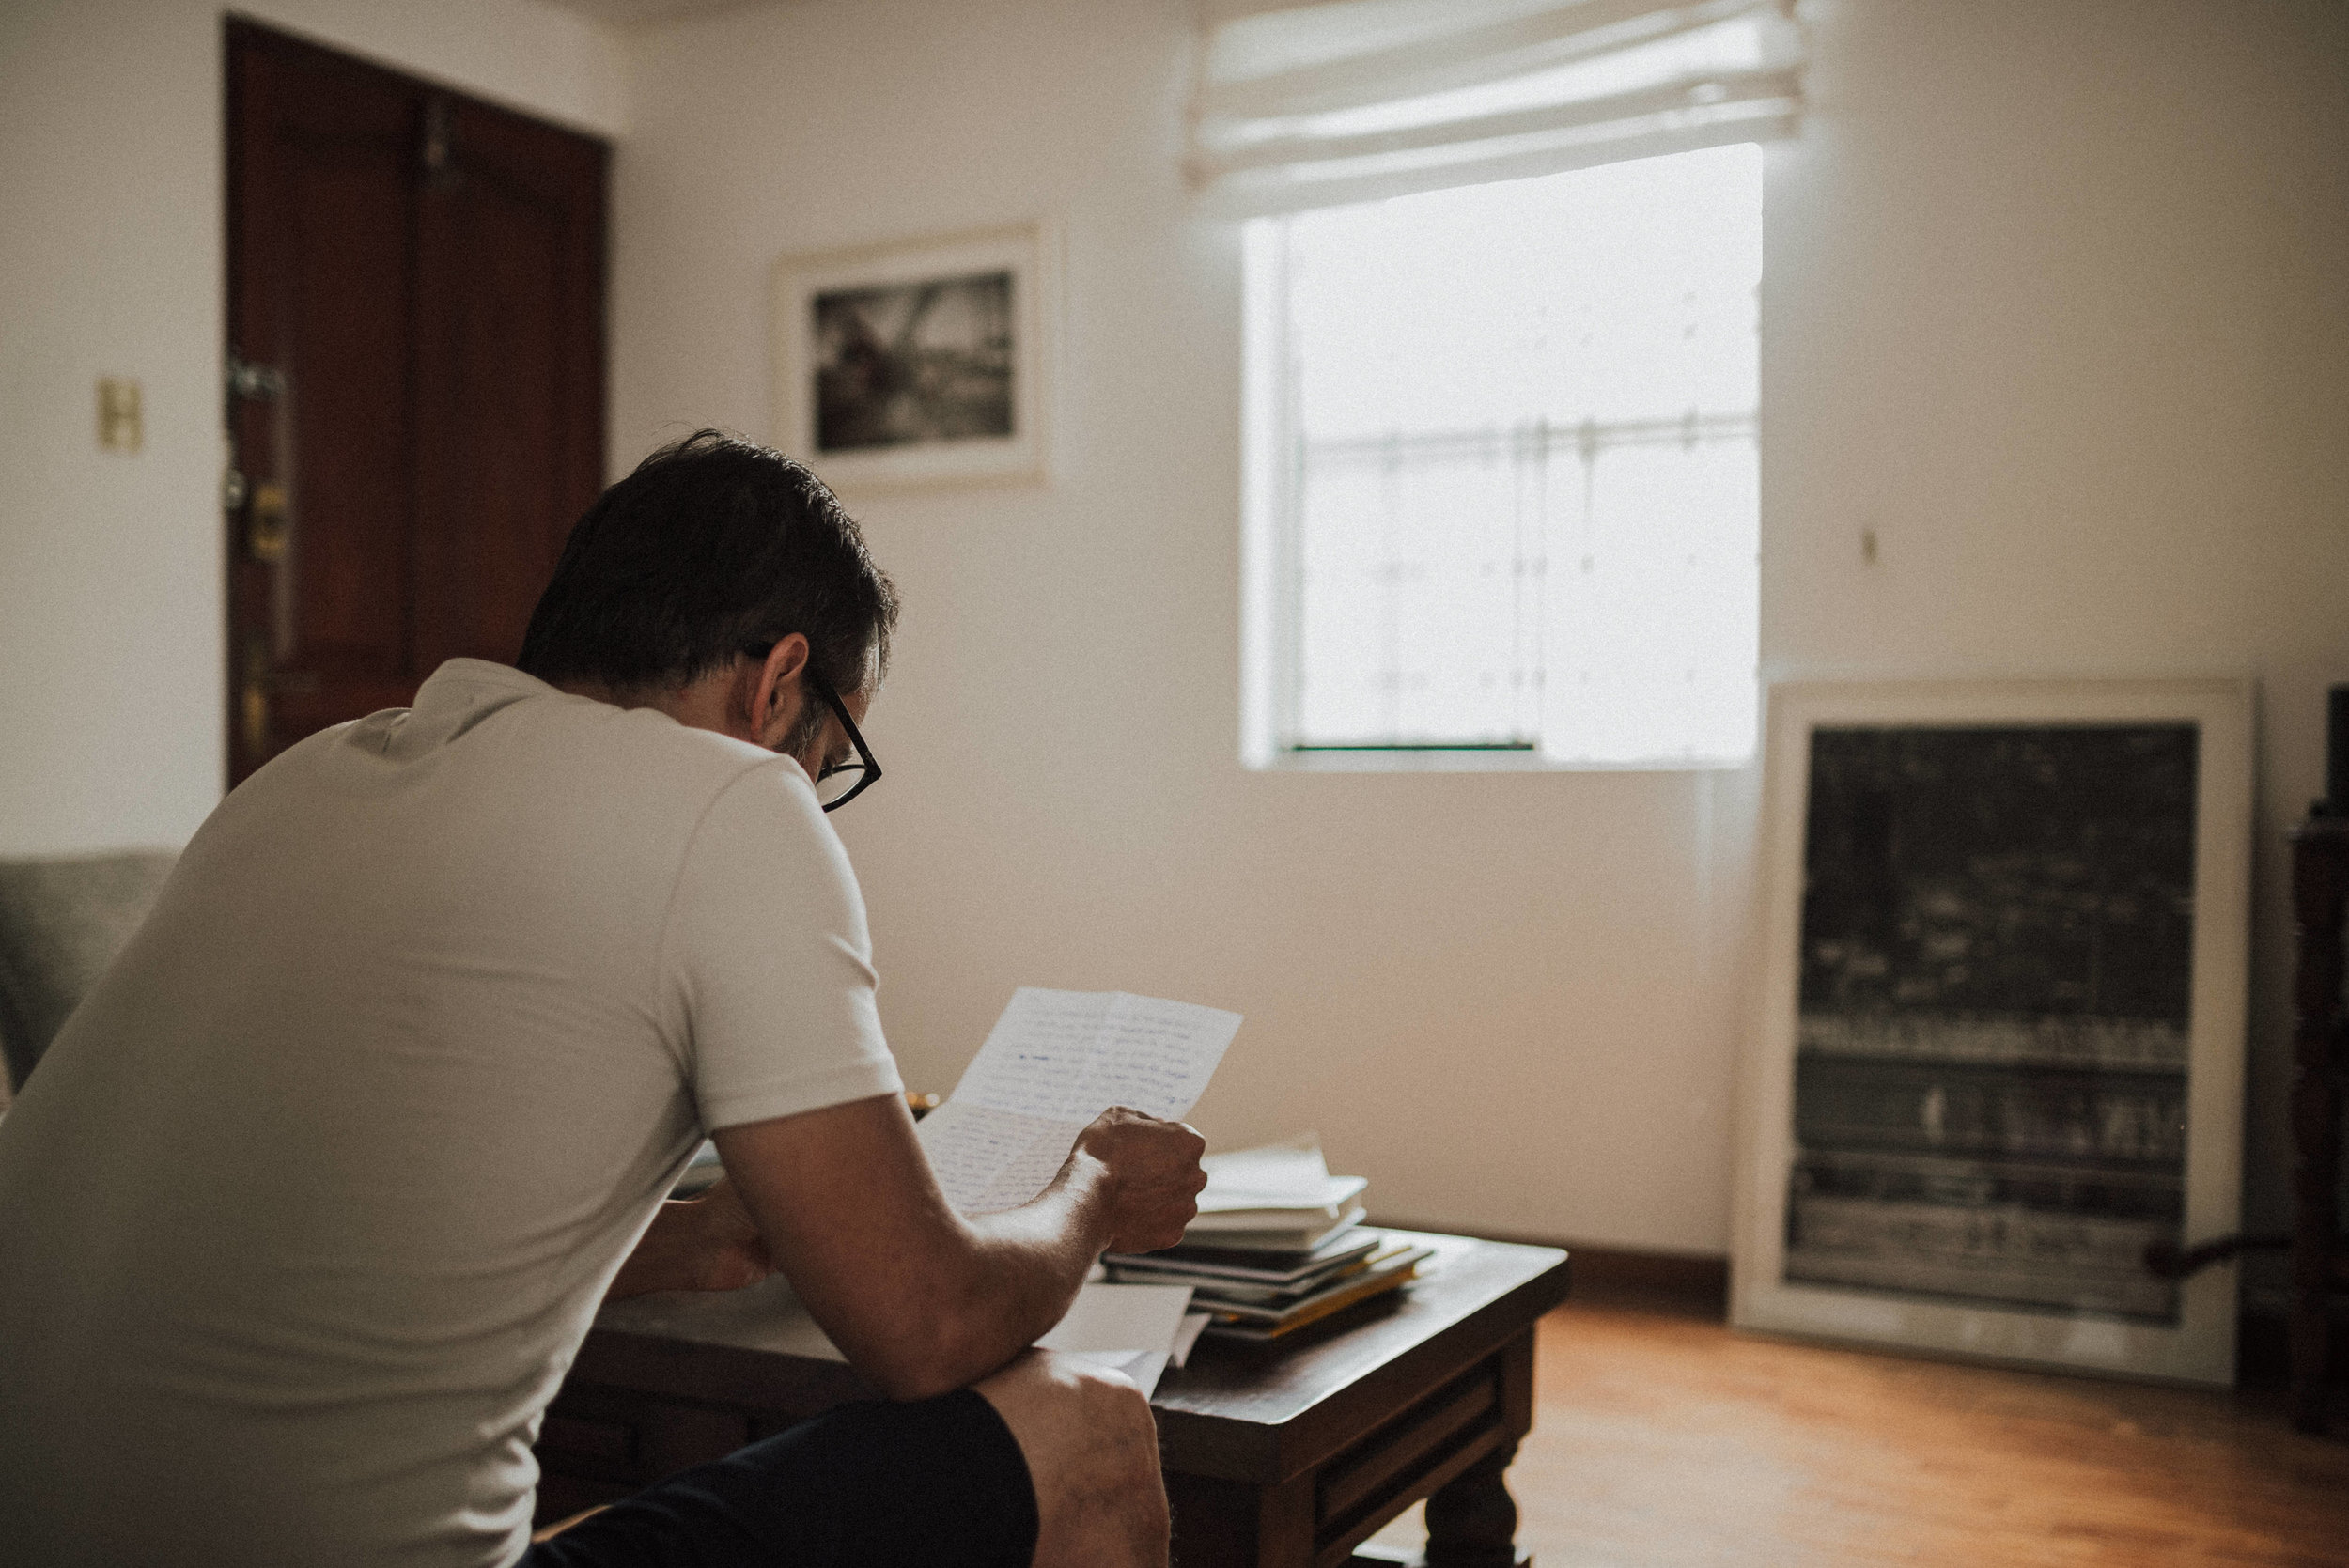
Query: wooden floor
(1665,1439)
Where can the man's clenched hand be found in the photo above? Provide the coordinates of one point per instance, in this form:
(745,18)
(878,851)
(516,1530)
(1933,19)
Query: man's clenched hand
(1154,1176)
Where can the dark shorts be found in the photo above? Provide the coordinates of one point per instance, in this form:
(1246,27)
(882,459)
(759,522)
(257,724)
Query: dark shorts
(939,1482)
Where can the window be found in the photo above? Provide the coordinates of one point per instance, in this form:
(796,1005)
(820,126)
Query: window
(1502,471)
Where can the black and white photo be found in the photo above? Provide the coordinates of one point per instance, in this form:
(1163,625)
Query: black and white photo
(2002,1034)
(918,364)
(912,363)
(1990,1074)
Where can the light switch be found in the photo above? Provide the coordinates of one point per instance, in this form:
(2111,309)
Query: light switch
(120,427)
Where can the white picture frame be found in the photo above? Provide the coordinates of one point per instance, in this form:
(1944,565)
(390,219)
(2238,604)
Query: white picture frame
(1837,1272)
(889,367)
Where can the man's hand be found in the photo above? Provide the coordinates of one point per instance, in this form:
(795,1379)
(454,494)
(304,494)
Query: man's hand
(1154,1176)
(921,1299)
(705,1243)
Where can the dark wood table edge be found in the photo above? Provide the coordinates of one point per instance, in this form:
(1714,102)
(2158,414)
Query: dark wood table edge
(1254,1452)
(733,1377)
(1440,1420)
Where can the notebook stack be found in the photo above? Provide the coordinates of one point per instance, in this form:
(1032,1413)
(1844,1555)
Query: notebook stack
(1279,1243)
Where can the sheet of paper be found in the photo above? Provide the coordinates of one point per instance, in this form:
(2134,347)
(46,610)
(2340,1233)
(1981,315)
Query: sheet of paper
(1054,1060)
(1187,1335)
(1155,1056)
(1136,1330)
(1290,1174)
(1144,1368)
(1292,1168)
(973,1147)
(1036,1058)
(1121,1318)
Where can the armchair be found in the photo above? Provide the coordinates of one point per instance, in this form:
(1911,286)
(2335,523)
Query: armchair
(62,920)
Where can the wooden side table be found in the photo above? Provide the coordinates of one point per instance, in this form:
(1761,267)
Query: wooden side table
(1288,1455)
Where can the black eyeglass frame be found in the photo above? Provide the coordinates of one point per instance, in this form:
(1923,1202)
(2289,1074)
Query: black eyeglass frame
(856,738)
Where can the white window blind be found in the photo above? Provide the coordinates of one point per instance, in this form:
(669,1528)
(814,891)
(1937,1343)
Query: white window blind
(1348,100)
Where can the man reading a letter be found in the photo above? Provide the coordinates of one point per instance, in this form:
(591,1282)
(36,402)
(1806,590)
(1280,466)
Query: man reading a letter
(307,1208)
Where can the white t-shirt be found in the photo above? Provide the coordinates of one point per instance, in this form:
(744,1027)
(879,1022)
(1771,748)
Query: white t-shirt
(307,1208)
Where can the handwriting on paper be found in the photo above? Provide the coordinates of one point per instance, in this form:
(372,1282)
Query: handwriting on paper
(1053,1062)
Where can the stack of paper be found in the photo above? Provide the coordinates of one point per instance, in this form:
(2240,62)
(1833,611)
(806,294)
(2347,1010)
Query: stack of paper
(1136,1330)
(1280,1197)
(1277,1245)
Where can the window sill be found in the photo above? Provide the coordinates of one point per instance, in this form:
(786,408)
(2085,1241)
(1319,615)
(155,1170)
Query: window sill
(1474,762)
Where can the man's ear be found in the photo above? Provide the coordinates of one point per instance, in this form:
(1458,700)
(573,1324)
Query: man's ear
(775,690)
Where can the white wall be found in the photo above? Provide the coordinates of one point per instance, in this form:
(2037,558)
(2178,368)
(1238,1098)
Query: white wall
(111,715)
(2055,305)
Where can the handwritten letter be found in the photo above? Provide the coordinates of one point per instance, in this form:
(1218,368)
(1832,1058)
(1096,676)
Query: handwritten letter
(1053,1062)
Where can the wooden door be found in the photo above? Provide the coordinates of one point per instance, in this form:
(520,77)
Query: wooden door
(415,379)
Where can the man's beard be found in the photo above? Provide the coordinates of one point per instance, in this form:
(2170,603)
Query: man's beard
(807,731)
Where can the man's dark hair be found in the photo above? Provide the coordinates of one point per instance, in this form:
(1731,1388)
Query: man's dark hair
(715,546)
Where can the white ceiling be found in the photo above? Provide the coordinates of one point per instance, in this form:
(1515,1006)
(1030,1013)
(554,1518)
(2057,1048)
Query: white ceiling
(628,13)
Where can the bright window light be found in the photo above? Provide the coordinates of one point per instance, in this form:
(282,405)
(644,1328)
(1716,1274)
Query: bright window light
(1501,472)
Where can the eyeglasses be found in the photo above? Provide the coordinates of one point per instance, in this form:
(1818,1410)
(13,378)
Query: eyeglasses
(843,782)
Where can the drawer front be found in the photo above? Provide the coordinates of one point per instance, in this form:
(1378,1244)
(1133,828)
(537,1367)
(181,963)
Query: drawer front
(1407,1457)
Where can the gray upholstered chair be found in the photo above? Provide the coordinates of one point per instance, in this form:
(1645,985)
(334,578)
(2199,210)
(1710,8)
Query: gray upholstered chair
(62,920)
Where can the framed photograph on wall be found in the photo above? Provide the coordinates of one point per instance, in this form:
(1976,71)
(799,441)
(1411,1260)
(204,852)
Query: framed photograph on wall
(2001,1043)
(920,363)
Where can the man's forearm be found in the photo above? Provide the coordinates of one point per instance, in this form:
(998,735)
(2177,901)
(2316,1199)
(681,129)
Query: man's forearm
(1030,1259)
(920,1298)
(994,1288)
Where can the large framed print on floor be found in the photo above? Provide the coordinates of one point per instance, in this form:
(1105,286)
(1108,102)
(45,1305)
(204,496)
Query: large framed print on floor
(2001,1042)
(918,363)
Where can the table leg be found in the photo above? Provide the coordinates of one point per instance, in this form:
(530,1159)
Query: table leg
(1472,1521)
